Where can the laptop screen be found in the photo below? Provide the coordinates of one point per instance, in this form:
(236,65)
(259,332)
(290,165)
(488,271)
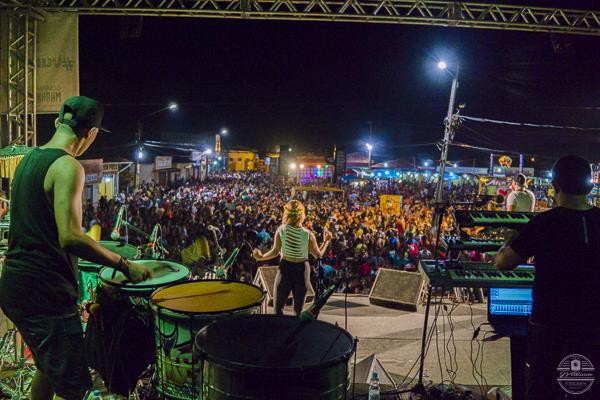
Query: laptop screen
(510,302)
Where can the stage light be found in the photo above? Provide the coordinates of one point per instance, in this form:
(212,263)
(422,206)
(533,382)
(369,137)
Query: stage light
(292,166)
(208,151)
(219,158)
(301,166)
(442,65)
(426,163)
(385,165)
(318,167)
(173,106)
(215,162)
(455,165)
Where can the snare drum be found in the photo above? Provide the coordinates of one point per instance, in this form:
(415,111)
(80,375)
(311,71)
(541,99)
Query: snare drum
(180,311)
(269,357)
(89,278)
(164,273)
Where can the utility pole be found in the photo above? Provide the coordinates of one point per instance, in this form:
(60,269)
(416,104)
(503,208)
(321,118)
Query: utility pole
(448,137)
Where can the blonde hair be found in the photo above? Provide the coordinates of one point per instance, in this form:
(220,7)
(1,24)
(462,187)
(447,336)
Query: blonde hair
(293,213)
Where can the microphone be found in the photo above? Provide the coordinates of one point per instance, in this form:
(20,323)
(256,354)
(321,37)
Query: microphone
(115,235)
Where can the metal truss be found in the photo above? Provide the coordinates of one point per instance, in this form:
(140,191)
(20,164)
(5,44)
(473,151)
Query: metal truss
(416,12)
(20,63)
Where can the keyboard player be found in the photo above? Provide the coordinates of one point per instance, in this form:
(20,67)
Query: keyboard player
(565,321)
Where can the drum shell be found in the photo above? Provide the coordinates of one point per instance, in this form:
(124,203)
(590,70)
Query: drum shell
(178,371)
(224,382)
(232,380)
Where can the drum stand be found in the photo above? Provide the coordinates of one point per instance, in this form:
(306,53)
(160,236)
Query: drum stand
(12,355)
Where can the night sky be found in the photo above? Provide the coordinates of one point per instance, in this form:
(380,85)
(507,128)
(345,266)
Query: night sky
(313,85)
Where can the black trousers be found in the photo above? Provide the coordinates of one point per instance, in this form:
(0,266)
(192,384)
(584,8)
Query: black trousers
(292,277)
(557,364)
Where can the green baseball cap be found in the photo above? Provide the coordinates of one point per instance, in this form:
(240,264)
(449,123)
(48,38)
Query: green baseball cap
(82,112)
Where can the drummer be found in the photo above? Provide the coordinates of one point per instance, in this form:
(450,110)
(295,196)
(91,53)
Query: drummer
(38,287)
(293,242)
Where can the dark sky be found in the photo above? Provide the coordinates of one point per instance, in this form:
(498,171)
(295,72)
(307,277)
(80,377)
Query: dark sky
(313,85)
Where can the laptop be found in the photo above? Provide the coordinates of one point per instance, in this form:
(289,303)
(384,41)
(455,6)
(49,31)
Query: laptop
(509,310)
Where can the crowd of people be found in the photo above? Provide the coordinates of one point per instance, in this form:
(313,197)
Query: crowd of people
(247,210)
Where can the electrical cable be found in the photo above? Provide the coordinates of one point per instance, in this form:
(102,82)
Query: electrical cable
(525,124)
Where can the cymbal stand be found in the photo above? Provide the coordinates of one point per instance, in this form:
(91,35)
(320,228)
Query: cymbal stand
(16,385)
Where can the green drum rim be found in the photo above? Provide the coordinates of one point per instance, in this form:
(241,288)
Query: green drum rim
(161,309)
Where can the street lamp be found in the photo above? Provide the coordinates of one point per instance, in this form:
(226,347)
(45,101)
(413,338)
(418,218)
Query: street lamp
(442,65)
(369,148)
(171,107)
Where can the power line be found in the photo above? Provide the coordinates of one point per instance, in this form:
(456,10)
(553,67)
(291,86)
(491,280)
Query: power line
(526,124)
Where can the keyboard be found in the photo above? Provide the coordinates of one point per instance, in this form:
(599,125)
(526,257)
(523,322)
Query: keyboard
(483,245)
(466,219)
(469,274)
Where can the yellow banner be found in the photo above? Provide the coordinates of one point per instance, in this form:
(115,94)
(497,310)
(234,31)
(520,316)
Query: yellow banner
(57,61)
(389,204)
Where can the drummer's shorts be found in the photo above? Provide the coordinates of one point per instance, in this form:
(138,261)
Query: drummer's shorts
(56,344)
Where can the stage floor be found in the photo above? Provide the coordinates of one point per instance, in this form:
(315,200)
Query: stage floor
(394,336)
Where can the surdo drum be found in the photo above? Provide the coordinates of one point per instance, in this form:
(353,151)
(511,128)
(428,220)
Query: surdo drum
(271,357)
(180,311)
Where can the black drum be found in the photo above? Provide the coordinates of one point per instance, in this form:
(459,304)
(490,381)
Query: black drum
(274,357)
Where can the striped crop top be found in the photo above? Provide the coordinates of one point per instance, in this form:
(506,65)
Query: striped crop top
(294,242)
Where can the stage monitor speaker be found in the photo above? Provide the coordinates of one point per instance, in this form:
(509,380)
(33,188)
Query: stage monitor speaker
(397,289)
(284,160)
(340,163)
(265,279)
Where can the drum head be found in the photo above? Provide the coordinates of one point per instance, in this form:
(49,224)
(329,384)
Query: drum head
(165,273)
(208,297)
(273,342)
(123,249)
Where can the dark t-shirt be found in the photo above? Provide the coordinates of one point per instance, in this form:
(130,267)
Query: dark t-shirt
(39,277)
(566,246)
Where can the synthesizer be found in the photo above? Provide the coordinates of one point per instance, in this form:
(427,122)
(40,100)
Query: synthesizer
(483,245)
(480,275)
(466,219)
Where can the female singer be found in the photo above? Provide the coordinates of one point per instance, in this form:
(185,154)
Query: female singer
(293,242)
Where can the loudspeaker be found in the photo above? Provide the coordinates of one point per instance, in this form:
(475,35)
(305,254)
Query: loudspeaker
(340,162)
(284,160)
(397,289)
(265,279)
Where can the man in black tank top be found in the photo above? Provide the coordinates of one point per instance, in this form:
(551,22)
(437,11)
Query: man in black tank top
(564,329)
(38,286)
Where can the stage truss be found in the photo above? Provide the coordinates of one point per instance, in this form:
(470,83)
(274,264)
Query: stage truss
(22,16)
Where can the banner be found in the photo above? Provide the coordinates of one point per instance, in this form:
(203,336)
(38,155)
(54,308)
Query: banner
(93,170)
(57,61)
(389,204)
(163,162)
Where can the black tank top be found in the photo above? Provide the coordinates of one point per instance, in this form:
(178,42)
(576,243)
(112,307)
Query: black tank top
(39,276)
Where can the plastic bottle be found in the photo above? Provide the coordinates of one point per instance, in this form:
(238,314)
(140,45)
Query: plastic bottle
(374,390)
